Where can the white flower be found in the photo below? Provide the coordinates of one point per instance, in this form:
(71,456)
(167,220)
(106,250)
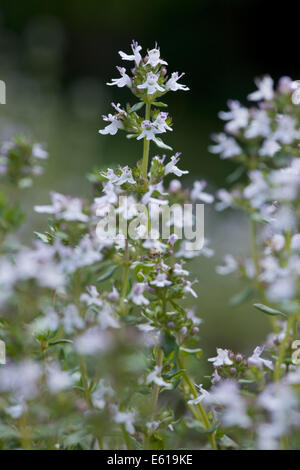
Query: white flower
(72,320)
(148,130)
(136,56)
(21,378)
(92,298)
(136,294)
(58,379)
(269,148)
(197,193)
(172,168)
(64,207)
(226,393)
(265,89)
(48,322)
(154,58)
(222,358)
(93,341)
(225,198)
(125,177)
(230,266)
(155,377)
(295,242)
(16,411)
(203,394)
(39,152)
(295,87)
(286,131)
(151,84)
(259,126)
(179,271)
(277,242)
(237,116)
(226,146)
(125,80)
(190,314)
(257,190)
(281,403)
(160,122)
(102,390)
(124,417)
(256,361)
(283,288)
(106,318)
(161,280)
(173,85)
(188,289)
(113,127)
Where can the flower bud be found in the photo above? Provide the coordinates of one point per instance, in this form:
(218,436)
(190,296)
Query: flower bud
(184,330)
(174,186)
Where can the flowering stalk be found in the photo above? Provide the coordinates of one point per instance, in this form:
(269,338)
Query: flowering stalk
(200,414)
(146,145)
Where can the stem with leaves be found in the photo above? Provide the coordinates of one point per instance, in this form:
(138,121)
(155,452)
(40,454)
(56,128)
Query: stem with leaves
(146,145)
(200,412)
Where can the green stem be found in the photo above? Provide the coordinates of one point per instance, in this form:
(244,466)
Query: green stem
(254,252)
(277,370)
(155,388)
(255,258)
(146,146)
(85,382)
(126,437)
(201,413)
(125,276)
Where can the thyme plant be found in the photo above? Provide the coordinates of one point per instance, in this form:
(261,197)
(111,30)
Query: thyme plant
(99,339)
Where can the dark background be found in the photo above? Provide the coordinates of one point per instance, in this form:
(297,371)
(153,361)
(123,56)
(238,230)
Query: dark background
(56,57)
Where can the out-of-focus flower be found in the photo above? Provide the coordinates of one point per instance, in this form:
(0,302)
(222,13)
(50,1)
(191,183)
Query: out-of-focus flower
(265,89)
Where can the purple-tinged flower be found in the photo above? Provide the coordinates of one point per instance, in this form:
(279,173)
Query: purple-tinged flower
(136,56)
(173,85)
(154,58)
(222,358)
(226,146)
(151,84)
(172,168)
(125,80)
(257,361)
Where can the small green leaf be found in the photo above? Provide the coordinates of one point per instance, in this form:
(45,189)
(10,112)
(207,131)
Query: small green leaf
(42,237)
(197,351)
(246,381)
(233,177)
(159,104)
(169,343)
(60,341)
(268,310)
(241,297)
(107,273)
(136,107)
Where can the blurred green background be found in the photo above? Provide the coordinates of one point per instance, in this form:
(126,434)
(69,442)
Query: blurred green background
(56,58)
